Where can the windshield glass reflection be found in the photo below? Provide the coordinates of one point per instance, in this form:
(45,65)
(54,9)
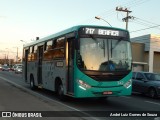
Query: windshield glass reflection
(104,54)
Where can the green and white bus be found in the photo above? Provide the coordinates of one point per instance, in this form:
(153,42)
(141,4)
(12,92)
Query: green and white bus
(82,61)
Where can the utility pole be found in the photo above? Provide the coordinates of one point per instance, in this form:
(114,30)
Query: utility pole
(126,19)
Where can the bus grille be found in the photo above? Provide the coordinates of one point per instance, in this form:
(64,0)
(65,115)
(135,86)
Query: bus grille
(107,78)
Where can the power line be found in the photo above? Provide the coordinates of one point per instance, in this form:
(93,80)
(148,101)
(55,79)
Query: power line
(145,28)
(141,23)
(145,24)
(145,21)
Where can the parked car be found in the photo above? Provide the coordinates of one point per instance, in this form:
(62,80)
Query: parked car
(15,66)
(146,83)
(11,68)
(18,69)
(5,68)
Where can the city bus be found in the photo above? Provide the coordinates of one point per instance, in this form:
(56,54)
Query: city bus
(81,62)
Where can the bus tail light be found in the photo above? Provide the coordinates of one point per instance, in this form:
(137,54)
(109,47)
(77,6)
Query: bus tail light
(83,84)
(128,84)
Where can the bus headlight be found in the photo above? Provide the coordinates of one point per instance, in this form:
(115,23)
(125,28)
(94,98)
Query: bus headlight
(128,84)
(83,85)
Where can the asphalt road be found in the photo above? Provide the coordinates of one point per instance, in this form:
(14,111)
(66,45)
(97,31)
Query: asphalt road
(15,95)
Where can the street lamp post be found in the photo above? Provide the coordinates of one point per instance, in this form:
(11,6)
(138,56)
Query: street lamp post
(23,41)
(99,18)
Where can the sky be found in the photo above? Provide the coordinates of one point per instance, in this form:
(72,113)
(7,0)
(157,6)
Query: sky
(27,19)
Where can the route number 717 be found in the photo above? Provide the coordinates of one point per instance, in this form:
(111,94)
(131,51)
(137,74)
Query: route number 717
(90,30)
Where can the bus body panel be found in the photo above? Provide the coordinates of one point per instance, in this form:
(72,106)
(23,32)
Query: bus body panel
(32,70)
(98,88)
(52,70)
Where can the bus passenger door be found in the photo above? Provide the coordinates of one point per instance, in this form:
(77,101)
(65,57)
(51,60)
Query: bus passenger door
(70,67)
(25,64)
(39,71)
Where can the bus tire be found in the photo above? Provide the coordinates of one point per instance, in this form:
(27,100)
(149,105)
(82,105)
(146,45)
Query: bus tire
(32,85)
(61,92)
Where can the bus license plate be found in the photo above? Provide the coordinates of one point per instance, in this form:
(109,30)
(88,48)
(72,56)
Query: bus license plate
(107,93)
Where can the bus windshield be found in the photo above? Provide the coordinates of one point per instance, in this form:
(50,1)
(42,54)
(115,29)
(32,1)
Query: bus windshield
(103,54)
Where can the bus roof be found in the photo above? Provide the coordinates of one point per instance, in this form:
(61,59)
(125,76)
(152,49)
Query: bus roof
(69,30)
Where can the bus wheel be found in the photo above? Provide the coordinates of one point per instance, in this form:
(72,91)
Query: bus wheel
(61,92)
(32,85)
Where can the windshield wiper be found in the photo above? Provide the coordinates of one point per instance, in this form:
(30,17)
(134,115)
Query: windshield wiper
(93,37)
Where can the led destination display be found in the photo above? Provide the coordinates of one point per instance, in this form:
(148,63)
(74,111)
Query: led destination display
(103,32)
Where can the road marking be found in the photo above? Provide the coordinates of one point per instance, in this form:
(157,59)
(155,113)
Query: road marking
(152,102)
(39,95)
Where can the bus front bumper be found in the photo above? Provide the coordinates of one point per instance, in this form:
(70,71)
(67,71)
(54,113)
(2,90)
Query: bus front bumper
(82,92)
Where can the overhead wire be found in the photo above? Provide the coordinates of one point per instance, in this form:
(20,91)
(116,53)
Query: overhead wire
(145,28)
(141,22)
(144,22)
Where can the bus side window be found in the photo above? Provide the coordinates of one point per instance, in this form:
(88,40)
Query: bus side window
(54,44)
(35,49)
(34,53)
(30,54)
(48,51)
(49,45)
(45,46)
(58,47)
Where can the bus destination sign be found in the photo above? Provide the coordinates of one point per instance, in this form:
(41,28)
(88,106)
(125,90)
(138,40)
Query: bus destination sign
(101,31)
(104,32)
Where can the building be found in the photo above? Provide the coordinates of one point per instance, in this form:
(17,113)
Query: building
(146,53)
